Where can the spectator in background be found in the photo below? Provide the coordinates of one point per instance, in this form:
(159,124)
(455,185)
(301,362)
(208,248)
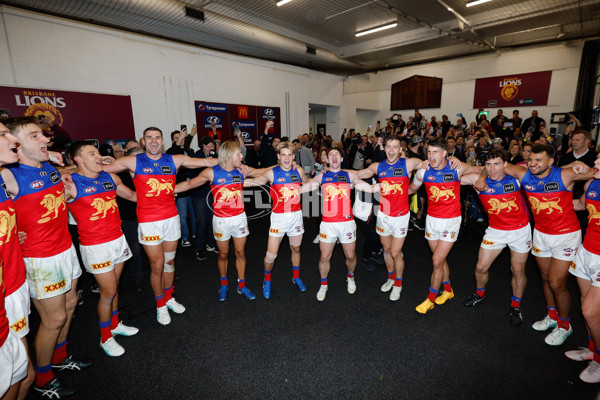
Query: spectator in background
(131,144)
(460,143)
(118,150)
(533,124)
(59,138)
(515,154)
(446,125)
(525,152)
(452,150)
(268,146)
(254,156)
(512,124)
(201,200)
(304,156)
(497,125)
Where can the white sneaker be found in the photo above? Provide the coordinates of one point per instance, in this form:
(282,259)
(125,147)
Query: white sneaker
(322,293)
(395,295)
(387,286)
(162,315)
(558,336)
(112,348)
(316,241)
(544,324)
(591,374)
(174,306)
(581,354)
(351,285)
(124,330)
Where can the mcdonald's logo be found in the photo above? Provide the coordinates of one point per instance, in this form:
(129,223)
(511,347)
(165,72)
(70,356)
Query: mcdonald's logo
(243,112)
(43,173)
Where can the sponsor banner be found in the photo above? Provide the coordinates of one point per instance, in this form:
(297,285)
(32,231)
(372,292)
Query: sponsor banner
(225,118)
(513,90)
(81,115)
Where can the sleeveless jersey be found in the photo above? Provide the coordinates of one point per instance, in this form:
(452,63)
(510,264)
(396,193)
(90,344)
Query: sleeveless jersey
(154,182)
(393,182)
(10,249)
(95,209)
(285,192)
(337,205)
(551,203)
(226,188)
(3,318)
(443,192)
(42,211)
(503,202)
(591,242)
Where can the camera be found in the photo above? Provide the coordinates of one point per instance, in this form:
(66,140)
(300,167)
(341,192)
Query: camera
(183,127)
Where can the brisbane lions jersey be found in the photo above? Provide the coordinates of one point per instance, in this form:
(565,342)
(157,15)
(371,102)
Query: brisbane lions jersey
(10,250)
(591,242)
(154,182)
(285,190)
(226,188)
(336,188)
(443,192)
(393,183)
(502,202)
(42,211)
(551,203)
(3,318)
(95,209)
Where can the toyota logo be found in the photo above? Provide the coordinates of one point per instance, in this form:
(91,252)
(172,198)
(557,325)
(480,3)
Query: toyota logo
(213,119)
(268,111)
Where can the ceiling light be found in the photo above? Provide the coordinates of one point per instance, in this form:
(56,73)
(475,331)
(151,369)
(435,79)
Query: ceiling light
(379,28)
(282,2)
(474,3)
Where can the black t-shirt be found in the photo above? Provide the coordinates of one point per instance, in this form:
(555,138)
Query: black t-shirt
(127,208)
(588,159)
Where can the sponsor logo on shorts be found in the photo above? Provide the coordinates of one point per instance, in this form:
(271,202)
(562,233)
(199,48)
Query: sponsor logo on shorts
(89,190)
(573,266)
(598,277)
(452,235)
(243,230)
(568,252)
(551,187)
(272,230)
(218,235)
(350,235)
(528,244)
(166,170)
(19,325)
(402,231)
(427,234)
(487,242)
(380,229)
(55,286)
(147,170)
(126,252)
(36,185)
(102,265)
(535,249)
(298,228)
(448,177)
(152,238)
(445,233)
(322,236)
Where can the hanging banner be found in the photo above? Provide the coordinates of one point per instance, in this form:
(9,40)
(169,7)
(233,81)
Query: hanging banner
(513,90)
(226,118)
(81,115)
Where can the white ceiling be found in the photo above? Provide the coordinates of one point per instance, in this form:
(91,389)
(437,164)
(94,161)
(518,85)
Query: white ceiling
(426,31)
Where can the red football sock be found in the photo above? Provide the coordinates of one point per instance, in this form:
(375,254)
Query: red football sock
(515,302)
(591,346)
(105,328)
(60,353)
(267,276)
(564,323)
(397,282)
(296,272)
(160,301)
(114,320)
(323,281)
(432,294)
(447,287)
(480,292)
(597,355)
(43,375)
(553,313)
(392,275)
(223,281)
(241,283)
(169,293)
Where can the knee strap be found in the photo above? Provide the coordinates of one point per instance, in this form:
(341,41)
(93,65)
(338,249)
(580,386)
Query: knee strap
(270,257)
(169,255)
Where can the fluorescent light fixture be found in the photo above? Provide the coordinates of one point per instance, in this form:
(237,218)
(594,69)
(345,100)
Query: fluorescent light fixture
(282,2)
(379,28)
(475,3)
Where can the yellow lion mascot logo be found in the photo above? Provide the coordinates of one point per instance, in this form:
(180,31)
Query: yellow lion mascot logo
(7,224)
(594,214)
(387,188)
(547,204)
(333,191)
(53,204)
(437,193)
(497,205)
(226,195)
(157,187)
(287,194)
(102,207)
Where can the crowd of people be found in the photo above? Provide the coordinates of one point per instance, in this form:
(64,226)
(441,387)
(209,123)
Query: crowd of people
(415,168)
